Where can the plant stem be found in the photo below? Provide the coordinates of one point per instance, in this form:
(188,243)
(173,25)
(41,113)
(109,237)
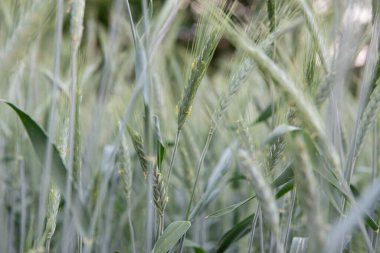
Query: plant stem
(253,227)
(52,114)
(203,156)
(172,159)
(131,230)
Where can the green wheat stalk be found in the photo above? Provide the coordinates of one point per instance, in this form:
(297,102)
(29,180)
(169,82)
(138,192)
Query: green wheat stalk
(264,195)
(308,189)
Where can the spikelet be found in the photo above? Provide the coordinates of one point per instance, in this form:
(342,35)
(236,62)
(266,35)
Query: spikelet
(205,45)
(236,81)
(139,148)
(245,136)
(274,153)
(123,165)
(76,24)
(366,121)
(316,35)
(187,168)
(159,195)
(53,204)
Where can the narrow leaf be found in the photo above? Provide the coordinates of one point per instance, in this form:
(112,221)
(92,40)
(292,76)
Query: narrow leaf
(264,115)
(229,209)
(234,234)
(171,235)
(279,132)
(285,176)
(40,141)
(196,247)
(285,189)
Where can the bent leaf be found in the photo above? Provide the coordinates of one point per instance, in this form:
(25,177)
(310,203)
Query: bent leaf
(40,142)
(171,236)
(234,234)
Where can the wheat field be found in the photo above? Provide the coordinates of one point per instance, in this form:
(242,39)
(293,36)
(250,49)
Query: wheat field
(189,126)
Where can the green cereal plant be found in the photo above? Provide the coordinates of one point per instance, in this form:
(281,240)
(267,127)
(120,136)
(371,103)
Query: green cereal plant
(307,190)
(264,195)
(208,37)
(365,123)
(74,157)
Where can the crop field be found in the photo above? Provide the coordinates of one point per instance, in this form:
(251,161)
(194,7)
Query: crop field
(189,126)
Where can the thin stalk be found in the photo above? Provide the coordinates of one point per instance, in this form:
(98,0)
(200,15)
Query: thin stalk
(168,177)
(23,205)
(374,150)
(172,159)
(161,219)
(203,155)
(80,244)
(149,199)
(261,231)
(294,194)
(374,241)
(71,155)
(374,169)
(76,30)
(147,92)
(253,228)
(131,230)
(52,116)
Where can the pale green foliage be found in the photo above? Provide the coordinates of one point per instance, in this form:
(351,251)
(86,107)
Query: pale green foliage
(272,105)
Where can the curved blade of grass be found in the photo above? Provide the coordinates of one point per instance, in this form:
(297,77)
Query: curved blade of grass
(213,183)
(229,209)
(368,219)
(366,203)
(171,236)
(285,189)
(234,234)
(264,115)
(160,146)
(196,247)
(40,140)
(285,178)
(280,131)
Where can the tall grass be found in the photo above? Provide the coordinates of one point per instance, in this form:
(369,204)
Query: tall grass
(189,126)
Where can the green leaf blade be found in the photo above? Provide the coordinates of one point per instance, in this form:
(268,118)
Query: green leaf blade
(171,236)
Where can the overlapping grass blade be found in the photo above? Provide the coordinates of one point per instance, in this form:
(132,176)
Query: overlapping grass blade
(170,236)
(40,140)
